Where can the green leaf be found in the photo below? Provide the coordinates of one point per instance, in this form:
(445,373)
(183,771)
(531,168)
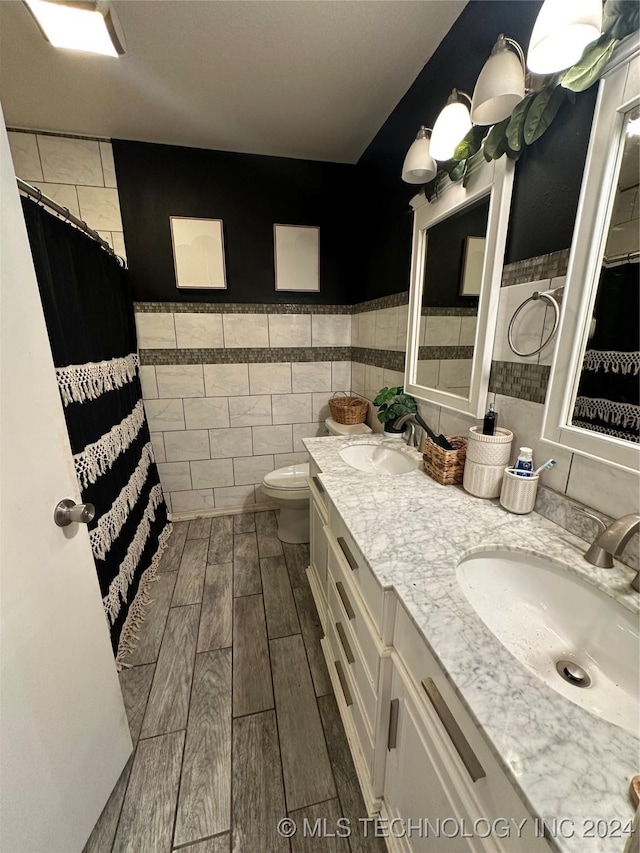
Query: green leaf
(620,18)
(542,112)
(471,143)
(384,396)
(458,172)
(591,65)
(515,129)
(493,142)
(431,189)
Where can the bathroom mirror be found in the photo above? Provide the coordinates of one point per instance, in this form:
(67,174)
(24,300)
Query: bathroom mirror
(593,400)
(456,266)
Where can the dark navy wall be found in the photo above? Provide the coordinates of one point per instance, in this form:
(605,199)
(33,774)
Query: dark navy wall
(249,193)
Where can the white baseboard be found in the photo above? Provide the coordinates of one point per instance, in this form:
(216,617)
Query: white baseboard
(225,510)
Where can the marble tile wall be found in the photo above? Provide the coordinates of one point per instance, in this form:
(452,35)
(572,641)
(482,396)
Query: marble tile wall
(78,173)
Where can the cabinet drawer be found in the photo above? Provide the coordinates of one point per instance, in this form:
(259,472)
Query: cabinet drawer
(351,696)
(318,493)
(352,654)
(348,555)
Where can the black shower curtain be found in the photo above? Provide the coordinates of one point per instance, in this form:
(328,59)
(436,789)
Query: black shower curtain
(89,315)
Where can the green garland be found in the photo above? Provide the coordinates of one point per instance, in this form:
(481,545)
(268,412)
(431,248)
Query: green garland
(533,116)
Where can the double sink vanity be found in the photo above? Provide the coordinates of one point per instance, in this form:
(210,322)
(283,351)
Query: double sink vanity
(485,672)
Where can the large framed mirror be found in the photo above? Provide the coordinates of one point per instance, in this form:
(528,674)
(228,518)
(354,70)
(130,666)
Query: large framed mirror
(593,399)
(457,257)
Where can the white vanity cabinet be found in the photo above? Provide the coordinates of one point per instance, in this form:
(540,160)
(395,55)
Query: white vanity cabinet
(417,751)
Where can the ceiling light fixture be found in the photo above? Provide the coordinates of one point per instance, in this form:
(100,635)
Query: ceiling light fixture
(419,167)
(77,26)
(452,125)
(561,32)
(500,86)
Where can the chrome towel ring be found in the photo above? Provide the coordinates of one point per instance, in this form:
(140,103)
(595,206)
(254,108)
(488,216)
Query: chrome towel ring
(552,298)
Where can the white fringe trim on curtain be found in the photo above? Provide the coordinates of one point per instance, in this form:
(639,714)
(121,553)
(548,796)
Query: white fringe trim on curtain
(620,414)
(612,360)
(98,457)
(119,586)
(607,430)
(129,636)
(111,523)
(80,382)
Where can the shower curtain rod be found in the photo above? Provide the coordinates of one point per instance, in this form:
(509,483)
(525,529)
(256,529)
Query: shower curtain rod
(43,199)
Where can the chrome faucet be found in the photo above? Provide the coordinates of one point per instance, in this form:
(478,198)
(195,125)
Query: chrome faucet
(411,438)
(611,541)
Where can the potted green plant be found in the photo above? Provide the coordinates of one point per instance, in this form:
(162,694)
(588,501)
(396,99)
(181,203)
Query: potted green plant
(392,404)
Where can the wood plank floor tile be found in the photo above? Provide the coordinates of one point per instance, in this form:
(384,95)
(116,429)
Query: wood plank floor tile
(146,822)
(325,817)
(103,833)
(135,684)
(221,540)
(312,634)
(246,565)
(307,772)
(204,802)
(169,698)
(219,844)
(191,575)
(252,690)
(170,560)
(280,608)
(216,617)
(155,619)
(258,798)
(199,528)
(244,523)
(266,527)
(297,559)
(351,802)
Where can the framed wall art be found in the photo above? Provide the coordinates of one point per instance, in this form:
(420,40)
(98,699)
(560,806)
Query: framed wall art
(198,253)
(297,257)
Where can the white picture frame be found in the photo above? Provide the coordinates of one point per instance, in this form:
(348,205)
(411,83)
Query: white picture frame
(297,258)
(198,253)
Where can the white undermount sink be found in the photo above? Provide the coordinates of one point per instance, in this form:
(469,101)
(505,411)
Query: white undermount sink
(378,459)
(551,620)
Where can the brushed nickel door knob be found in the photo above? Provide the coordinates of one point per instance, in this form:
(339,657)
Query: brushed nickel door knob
(67,511)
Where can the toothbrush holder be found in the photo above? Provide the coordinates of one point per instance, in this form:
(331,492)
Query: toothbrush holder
(518,492)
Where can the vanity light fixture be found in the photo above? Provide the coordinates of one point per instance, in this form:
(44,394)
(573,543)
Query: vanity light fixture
(86,26)
(500,86)
(452,125)
(419,167)
(561,32)
(633,127)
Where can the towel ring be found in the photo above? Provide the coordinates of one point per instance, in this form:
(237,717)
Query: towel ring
(552,298)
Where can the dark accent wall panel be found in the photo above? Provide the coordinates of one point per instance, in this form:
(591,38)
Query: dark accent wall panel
(249,193)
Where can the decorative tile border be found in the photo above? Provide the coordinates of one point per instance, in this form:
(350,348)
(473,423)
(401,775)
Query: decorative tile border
(244,355)
(437,311)
(521,380)
(534,269)
(237,308)
(391,301)
(390,359)
(442,352)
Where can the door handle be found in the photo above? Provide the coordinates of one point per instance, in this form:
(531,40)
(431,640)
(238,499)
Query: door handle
(319,485)
(353,564)
(343,683)
(345,600)
(392,738)
(345,643)
(67,511)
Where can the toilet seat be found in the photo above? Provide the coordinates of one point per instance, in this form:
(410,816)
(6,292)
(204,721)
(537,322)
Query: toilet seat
(292,478)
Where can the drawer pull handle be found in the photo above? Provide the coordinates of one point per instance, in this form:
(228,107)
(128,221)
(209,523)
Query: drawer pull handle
(348,609)
(392,739)
(345,643)
(343,683)
(347,553)
(463,748)
(319,485)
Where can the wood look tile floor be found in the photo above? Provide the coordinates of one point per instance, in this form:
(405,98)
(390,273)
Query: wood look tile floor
(230,706)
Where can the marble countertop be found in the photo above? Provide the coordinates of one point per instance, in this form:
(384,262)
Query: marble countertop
(413,532)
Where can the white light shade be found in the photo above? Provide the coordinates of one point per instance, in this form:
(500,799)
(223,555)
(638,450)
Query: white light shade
(72,27)
(562,30)
(500,87)
(452,125)
(419,167)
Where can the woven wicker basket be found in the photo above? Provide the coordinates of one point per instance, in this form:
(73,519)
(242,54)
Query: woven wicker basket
(445,466)
(348,410)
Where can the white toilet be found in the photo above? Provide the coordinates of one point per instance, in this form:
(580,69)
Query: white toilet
(289,489)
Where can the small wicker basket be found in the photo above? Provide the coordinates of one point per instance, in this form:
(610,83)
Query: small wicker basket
(445,466)
(347,409)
